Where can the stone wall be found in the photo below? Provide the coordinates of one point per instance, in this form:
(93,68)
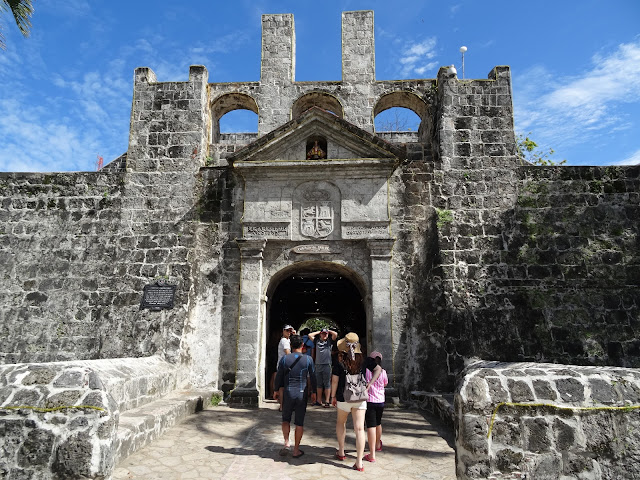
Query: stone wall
(471,180)
(169,135)
(59,235)
(212,329)
(552,278)
(547,421)
(62,420)
(572,265)
(517,263)
(56,421)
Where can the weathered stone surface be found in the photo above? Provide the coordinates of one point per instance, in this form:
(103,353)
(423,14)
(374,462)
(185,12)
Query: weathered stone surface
(537,438)
(40,375)
(520,391)
(508,460)
(36,449)
(564,433)
(62,399)
(573,435)
(543,390)
(570,389)
(496,390)
(470,433)
(603,391)
(73,457)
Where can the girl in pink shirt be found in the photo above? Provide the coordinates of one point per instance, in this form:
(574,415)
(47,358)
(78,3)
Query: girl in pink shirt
(375,407)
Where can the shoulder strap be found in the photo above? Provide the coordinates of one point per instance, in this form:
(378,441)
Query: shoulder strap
(293,364)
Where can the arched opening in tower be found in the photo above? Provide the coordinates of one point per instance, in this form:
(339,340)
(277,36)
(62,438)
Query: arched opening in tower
(308,298)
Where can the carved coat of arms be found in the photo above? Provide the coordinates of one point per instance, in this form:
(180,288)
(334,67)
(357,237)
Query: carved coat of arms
(316,215)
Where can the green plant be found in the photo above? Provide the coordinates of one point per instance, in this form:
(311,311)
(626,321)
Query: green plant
(444,217)
(21,10)
(216,398)
(316,323)
(529,151)
(208,161)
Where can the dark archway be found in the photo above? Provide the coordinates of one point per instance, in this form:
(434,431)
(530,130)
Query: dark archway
(310,292)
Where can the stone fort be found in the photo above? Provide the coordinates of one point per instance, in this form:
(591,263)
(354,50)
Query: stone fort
(472,271)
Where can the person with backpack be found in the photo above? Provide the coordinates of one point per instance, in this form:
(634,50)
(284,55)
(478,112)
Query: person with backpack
(375,405)
(293,369)
(349,393)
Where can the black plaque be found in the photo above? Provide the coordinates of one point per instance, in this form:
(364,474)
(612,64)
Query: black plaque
(157,296)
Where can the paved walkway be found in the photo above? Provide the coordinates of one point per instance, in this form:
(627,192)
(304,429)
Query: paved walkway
(233,443)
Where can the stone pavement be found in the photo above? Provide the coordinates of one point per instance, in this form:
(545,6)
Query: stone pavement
(234,443)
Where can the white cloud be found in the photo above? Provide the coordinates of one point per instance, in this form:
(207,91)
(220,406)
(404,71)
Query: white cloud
(563,109)
(36,143)
(633,159)
(613,79)
(417,58)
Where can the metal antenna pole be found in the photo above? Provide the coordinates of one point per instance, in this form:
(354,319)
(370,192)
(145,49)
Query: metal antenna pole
(462,50)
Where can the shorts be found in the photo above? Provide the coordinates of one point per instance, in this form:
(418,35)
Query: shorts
(323,376)
(347,406)
(373,417)
(291,405)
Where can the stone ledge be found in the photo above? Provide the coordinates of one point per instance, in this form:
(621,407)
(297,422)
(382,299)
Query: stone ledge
(556,421)
(134,382)
(140,426)
(440,404)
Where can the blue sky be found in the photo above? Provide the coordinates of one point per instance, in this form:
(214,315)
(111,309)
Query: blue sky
(66,91)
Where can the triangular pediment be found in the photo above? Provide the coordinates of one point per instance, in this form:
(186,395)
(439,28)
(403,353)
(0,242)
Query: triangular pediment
(290,142)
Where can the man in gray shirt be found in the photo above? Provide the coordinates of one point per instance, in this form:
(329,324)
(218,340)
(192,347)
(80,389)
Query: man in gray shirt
(324,340)
(291,377)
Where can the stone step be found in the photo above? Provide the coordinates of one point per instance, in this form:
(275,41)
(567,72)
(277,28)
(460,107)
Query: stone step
(140,426)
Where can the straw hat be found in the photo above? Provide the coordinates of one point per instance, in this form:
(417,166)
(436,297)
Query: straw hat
(349,340)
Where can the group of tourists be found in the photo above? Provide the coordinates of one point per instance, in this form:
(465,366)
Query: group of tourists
(353,383)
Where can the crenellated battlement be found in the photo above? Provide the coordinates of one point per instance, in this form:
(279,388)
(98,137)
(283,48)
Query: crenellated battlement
(277,98)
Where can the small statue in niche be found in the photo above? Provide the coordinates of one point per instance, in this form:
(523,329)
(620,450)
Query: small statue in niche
(316,152)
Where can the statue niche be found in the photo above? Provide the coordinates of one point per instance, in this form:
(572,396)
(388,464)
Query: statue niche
(316,148)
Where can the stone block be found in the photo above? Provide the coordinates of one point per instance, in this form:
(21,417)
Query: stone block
(570,389)
(36,450)
(472,434)
(520,391)
(543,390)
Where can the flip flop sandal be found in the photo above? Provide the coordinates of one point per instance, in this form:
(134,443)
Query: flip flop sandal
(284,451)
(379,449)
(340,457)
(360,469)
(368,458)
(298,456)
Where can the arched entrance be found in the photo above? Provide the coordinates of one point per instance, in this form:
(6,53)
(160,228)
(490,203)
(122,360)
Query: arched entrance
(313,290)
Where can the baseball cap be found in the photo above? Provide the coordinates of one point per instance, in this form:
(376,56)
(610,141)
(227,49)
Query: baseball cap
(287,327)
(324,330)
(375,354)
